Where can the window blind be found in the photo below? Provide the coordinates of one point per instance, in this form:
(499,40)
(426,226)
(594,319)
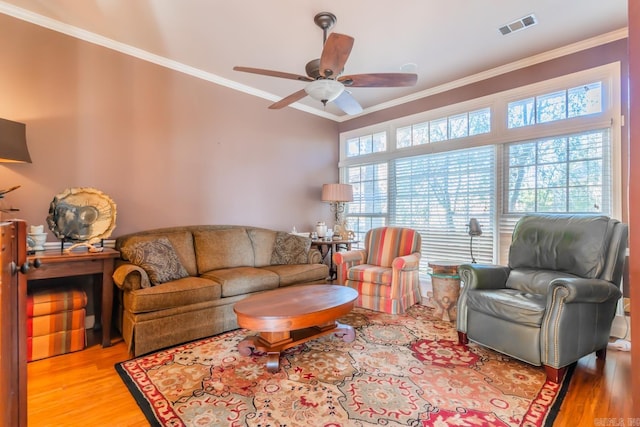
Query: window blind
(437,194)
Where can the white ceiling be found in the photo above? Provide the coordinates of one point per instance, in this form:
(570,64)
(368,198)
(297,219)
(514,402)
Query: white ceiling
(446,40)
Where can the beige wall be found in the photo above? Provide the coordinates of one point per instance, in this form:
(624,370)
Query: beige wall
(168,148)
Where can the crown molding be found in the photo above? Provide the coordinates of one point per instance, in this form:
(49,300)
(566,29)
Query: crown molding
(513,66)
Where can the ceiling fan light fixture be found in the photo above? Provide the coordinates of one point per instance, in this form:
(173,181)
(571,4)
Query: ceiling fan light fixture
(324,90)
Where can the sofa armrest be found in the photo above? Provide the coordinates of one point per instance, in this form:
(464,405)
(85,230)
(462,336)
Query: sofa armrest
(347,259)
(129,277)
(315,257)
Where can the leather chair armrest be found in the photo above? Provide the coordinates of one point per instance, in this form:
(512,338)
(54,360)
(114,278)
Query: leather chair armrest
(129,277)
(483,276)
(578,290)
(577,319)
(478,276)
(407,262)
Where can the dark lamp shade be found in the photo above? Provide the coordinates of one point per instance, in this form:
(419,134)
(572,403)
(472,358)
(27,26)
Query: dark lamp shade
(474,227)
(337,193)
(13,142)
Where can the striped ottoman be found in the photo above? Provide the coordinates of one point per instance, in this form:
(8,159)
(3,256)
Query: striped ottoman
(55,322)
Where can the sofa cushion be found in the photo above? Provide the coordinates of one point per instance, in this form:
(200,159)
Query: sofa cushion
(225,248)
(182,242)
(299,273)
(177,293)
(263,242)
(290,249)
(243,280)
(158,258)
(509,304)
(370,274)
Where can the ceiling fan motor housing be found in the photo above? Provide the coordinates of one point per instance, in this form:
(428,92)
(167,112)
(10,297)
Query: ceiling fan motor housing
(313,68)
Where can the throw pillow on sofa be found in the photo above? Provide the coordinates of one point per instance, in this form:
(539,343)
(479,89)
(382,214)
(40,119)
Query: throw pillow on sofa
(158,258)
(290,249)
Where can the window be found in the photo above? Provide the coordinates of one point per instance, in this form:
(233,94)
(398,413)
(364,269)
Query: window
(551,147)
(374,143)
(456,126)
(558,105)
(437,194)
(370,204)
(561,174)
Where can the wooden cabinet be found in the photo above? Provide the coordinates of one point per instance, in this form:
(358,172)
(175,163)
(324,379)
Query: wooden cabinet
(13,347)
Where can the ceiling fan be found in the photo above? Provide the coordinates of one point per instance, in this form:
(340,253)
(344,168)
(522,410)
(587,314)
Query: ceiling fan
(325,82)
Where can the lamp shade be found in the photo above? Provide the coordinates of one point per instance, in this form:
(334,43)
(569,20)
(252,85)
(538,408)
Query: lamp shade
(337,193)
(324,90)
(474,227)
(13,142)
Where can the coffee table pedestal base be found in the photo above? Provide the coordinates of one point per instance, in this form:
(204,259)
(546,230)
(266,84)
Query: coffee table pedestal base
(273,343)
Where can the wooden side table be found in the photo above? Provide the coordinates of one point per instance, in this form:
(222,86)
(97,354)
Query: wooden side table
(328,247)
(446,288)
(55,263)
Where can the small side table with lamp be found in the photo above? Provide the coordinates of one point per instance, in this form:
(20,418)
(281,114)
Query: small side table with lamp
(337,195)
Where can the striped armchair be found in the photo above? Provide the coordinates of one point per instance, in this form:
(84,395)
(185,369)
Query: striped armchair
(385,272)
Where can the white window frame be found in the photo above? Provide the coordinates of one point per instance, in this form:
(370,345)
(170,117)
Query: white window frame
(500,134)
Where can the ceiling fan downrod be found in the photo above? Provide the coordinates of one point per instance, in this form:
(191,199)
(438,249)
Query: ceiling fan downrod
(326,21)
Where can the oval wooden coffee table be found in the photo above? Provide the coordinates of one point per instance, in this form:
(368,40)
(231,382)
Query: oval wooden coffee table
(290,316)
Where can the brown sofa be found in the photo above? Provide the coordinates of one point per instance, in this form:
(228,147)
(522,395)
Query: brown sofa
(179,284)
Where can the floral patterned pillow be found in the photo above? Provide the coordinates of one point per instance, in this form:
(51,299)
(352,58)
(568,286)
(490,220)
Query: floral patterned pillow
(158,258)
(290,249)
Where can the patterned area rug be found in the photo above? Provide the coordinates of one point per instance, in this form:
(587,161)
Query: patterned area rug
(400,371)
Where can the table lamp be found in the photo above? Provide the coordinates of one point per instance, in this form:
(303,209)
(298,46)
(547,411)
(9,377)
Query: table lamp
(13,142)
(474,231)
(338,195)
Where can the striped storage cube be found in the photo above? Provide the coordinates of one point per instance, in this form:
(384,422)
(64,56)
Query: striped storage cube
(55,322)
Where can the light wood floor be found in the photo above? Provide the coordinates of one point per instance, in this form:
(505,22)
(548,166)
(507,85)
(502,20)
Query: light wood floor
(83,389)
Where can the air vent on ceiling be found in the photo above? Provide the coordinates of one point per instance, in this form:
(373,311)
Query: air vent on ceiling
(518,25)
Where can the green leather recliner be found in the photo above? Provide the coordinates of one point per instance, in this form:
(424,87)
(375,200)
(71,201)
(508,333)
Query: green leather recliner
(555,301)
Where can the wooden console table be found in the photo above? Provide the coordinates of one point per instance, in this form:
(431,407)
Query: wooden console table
(54,263)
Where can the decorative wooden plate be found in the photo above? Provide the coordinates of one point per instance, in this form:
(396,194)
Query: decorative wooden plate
(82,215)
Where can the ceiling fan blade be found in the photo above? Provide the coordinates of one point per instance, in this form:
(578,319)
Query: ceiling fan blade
(296,96)
(272,73)
(379,80)
(347,103)
(335,54)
